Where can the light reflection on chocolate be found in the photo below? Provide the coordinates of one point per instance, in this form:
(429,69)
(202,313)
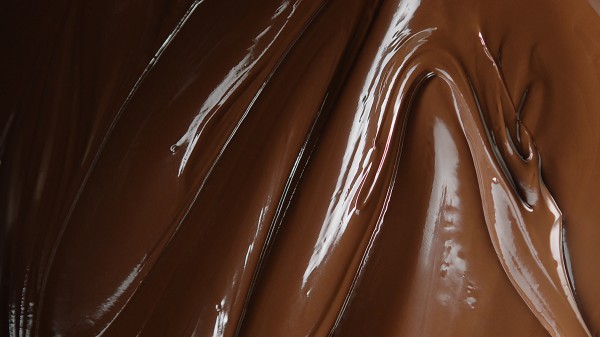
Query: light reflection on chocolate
(295,168)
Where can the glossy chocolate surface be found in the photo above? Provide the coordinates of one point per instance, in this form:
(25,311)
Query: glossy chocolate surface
(300,168)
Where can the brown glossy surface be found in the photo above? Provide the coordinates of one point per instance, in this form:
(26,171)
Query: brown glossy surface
(300,168)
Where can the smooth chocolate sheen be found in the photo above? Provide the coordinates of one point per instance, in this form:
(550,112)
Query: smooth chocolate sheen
(300,168)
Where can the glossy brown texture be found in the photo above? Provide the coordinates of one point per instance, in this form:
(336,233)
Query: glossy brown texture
(300,168)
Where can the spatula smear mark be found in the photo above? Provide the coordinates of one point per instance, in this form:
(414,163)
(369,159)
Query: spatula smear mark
(523,220)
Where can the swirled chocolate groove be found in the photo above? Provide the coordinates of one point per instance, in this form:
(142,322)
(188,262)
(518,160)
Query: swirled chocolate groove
(300,168)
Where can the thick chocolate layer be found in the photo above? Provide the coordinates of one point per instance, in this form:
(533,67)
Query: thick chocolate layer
(296,168)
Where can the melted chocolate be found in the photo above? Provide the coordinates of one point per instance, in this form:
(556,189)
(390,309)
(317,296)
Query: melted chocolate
(295,168)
